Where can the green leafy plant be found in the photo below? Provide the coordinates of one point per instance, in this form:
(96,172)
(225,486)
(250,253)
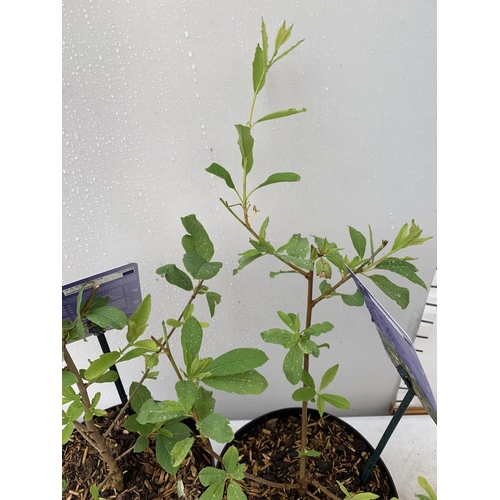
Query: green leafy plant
(357,496)
(317,259)
(76,382)
(431,495)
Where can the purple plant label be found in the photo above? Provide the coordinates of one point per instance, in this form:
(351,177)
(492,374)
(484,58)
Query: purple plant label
(400,348)
(121,285)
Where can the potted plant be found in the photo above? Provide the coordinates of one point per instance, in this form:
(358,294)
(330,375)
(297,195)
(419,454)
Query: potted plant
(303,461)
(174,436)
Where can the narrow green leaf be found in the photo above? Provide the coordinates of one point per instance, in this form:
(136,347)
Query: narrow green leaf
(403,268)
(237,361)
(358,241)
(280,114)
(304,394)
(422,482)
(245,142)
(265,42)
(337,401)
(109,376)
(191,339)
(141,395)
(132,354)
(108,316)
(147,344)
(399,294)
(176,276)
(328,377)
(174,323)
(216,427)
(258,70)
(320,403)
(197,241)
(288,319)
(292,365)
(221,172)
(279,177)
(293,47)
(100,365)
(249,382)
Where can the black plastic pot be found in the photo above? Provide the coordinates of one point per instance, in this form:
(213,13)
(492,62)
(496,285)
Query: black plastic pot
(256,424)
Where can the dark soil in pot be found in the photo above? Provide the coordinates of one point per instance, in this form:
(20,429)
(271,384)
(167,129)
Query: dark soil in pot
(269,446)
(144,478)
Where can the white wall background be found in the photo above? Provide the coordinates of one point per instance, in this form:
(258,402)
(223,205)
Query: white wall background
(151,92)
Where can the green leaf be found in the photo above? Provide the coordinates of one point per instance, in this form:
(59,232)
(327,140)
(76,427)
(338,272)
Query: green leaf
(234,492)
(319,328)
(280,114)
(186,394)
(139,320)
(211,475)
(204,403)
(67,431)
(216,427)
(109,376)
(328,377)
(131,424)
(100,365)
(214,491)
(147,344)
(358,241)
(258,70)
(94,491)
(309,347)
(307,379)
(304,394)
(247,258)
(364,496)
(356,299)
(279,177)
(297,246)
(422,482)
(399,294)
(213,299)
(108,316)
(176,276)
(191,338)
(337,401)
(403,268)
(265,41)
(165,445)
(301,263)
(154,412)
(221,172)
(68,379)
(141,444)
(237,361)
(141,396)
(289,320)
(249,382)
(292,365)
(230,459)
(409,238)
(132,354)
(277,336)
(199,268)
(180,450)
(282,36)
(197,241)
(310,453)
(288,51)
(245,142)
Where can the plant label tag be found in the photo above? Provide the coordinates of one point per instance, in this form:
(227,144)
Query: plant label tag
(121,285)
(400,349)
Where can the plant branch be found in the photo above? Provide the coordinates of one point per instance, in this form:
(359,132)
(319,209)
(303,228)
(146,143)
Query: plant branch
(166,350)
(324,490)
(193,296)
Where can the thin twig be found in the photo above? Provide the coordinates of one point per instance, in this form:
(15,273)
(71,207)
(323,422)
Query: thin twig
(284,486)
(324,490)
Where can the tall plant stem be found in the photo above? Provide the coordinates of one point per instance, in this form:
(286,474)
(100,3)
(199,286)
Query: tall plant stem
(97,438)
(303,438)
